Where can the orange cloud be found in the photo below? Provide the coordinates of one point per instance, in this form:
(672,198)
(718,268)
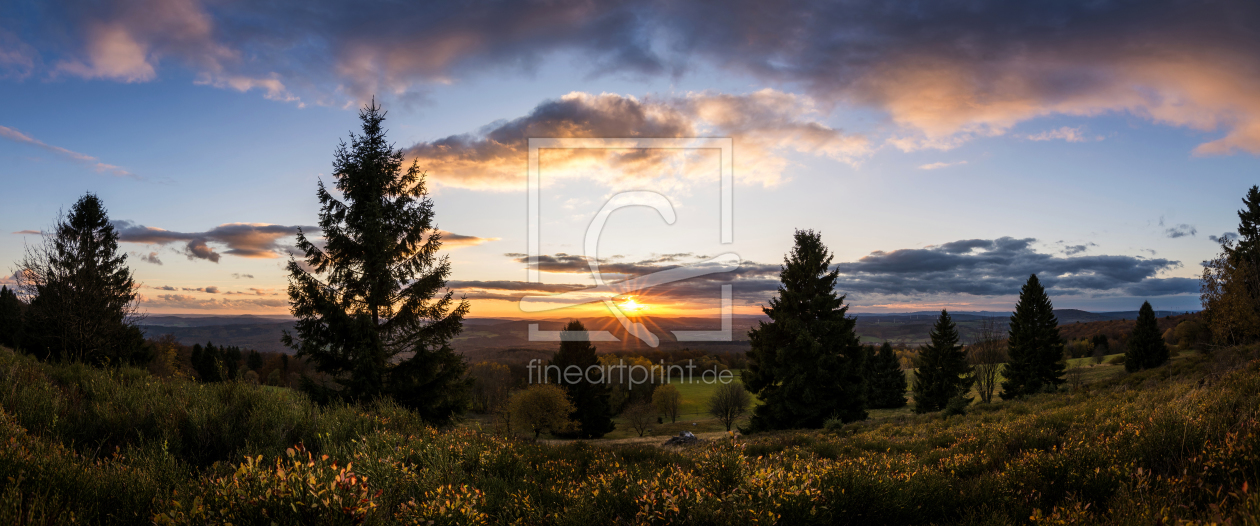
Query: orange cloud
(765,125)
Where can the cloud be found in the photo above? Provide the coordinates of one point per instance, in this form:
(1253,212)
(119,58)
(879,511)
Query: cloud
(182,301)
(1073,250)
(84,159)
(453,240)
(764,125)
(934,166)
(1227,236)
(975,267)
(250,240)
(1065,133)
(240,276)
(942,72)
(151,257)
(1000,267)
(1180,231)
(165,287)
(28,232)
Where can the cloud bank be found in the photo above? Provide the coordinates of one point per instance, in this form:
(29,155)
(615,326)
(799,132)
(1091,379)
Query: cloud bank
(942,71)
(970,267)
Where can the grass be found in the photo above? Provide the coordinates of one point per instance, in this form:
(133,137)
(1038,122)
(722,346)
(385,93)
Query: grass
(1177,443)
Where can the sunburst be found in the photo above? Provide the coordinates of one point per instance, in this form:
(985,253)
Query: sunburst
(630,305)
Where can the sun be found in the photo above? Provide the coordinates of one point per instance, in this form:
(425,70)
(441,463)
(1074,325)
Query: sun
(630,305)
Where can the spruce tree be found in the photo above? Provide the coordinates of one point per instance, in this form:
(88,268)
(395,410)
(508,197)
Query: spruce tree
(592,411)
(1245,255)
(806,362)
(887,382)
(943,371)
(369,308)
(10,318)
(1145,348)
(82,298)
(1036,350)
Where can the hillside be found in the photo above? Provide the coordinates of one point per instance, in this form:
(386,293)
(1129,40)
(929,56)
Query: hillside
(122,447)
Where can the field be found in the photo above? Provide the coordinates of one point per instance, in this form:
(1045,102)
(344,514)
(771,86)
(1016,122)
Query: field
(1181,442)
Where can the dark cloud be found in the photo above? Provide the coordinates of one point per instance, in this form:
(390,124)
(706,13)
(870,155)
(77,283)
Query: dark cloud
(1227,236)
(1180,231)
(242,276)
(151,257)
(1073,250)
(166,287)
(977,267)
(938,69)
(1000,267)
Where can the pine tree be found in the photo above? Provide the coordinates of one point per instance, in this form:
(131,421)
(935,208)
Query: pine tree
(805,364)
(887,382)
(943,371)
(1036,350)
(370,311)
(80,292)
(10,318)
(1145,347)
(590,400)
(1248,247)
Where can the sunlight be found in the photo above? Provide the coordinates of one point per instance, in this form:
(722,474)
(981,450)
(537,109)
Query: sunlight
(630,305)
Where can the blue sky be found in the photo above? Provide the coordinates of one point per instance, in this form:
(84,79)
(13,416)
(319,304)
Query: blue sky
(1106,164)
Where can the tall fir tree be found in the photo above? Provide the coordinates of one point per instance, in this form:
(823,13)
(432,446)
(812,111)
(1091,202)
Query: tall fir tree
(369,308)
(592,411)
(1248,246)
(886,381)
(806,363)
(1035,348)
(1145,348)
(80,292)
(943,371)
(10,318)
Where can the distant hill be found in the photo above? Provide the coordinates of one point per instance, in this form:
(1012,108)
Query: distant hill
(250,332)
(485,338)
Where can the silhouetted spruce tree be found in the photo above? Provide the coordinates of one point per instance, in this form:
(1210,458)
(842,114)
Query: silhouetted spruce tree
(1145,347)
(1035,348)
(806,363)
(10,318)
(943,372)
(370,313)
(886,381)
(1246,253)
(80,292)
(592,412)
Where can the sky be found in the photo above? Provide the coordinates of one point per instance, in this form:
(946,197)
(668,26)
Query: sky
(944,150)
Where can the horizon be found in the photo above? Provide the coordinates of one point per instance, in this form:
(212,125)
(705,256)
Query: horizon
(1109,159)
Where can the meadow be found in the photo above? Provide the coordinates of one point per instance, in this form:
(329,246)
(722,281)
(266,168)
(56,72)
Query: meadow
(1181,442)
